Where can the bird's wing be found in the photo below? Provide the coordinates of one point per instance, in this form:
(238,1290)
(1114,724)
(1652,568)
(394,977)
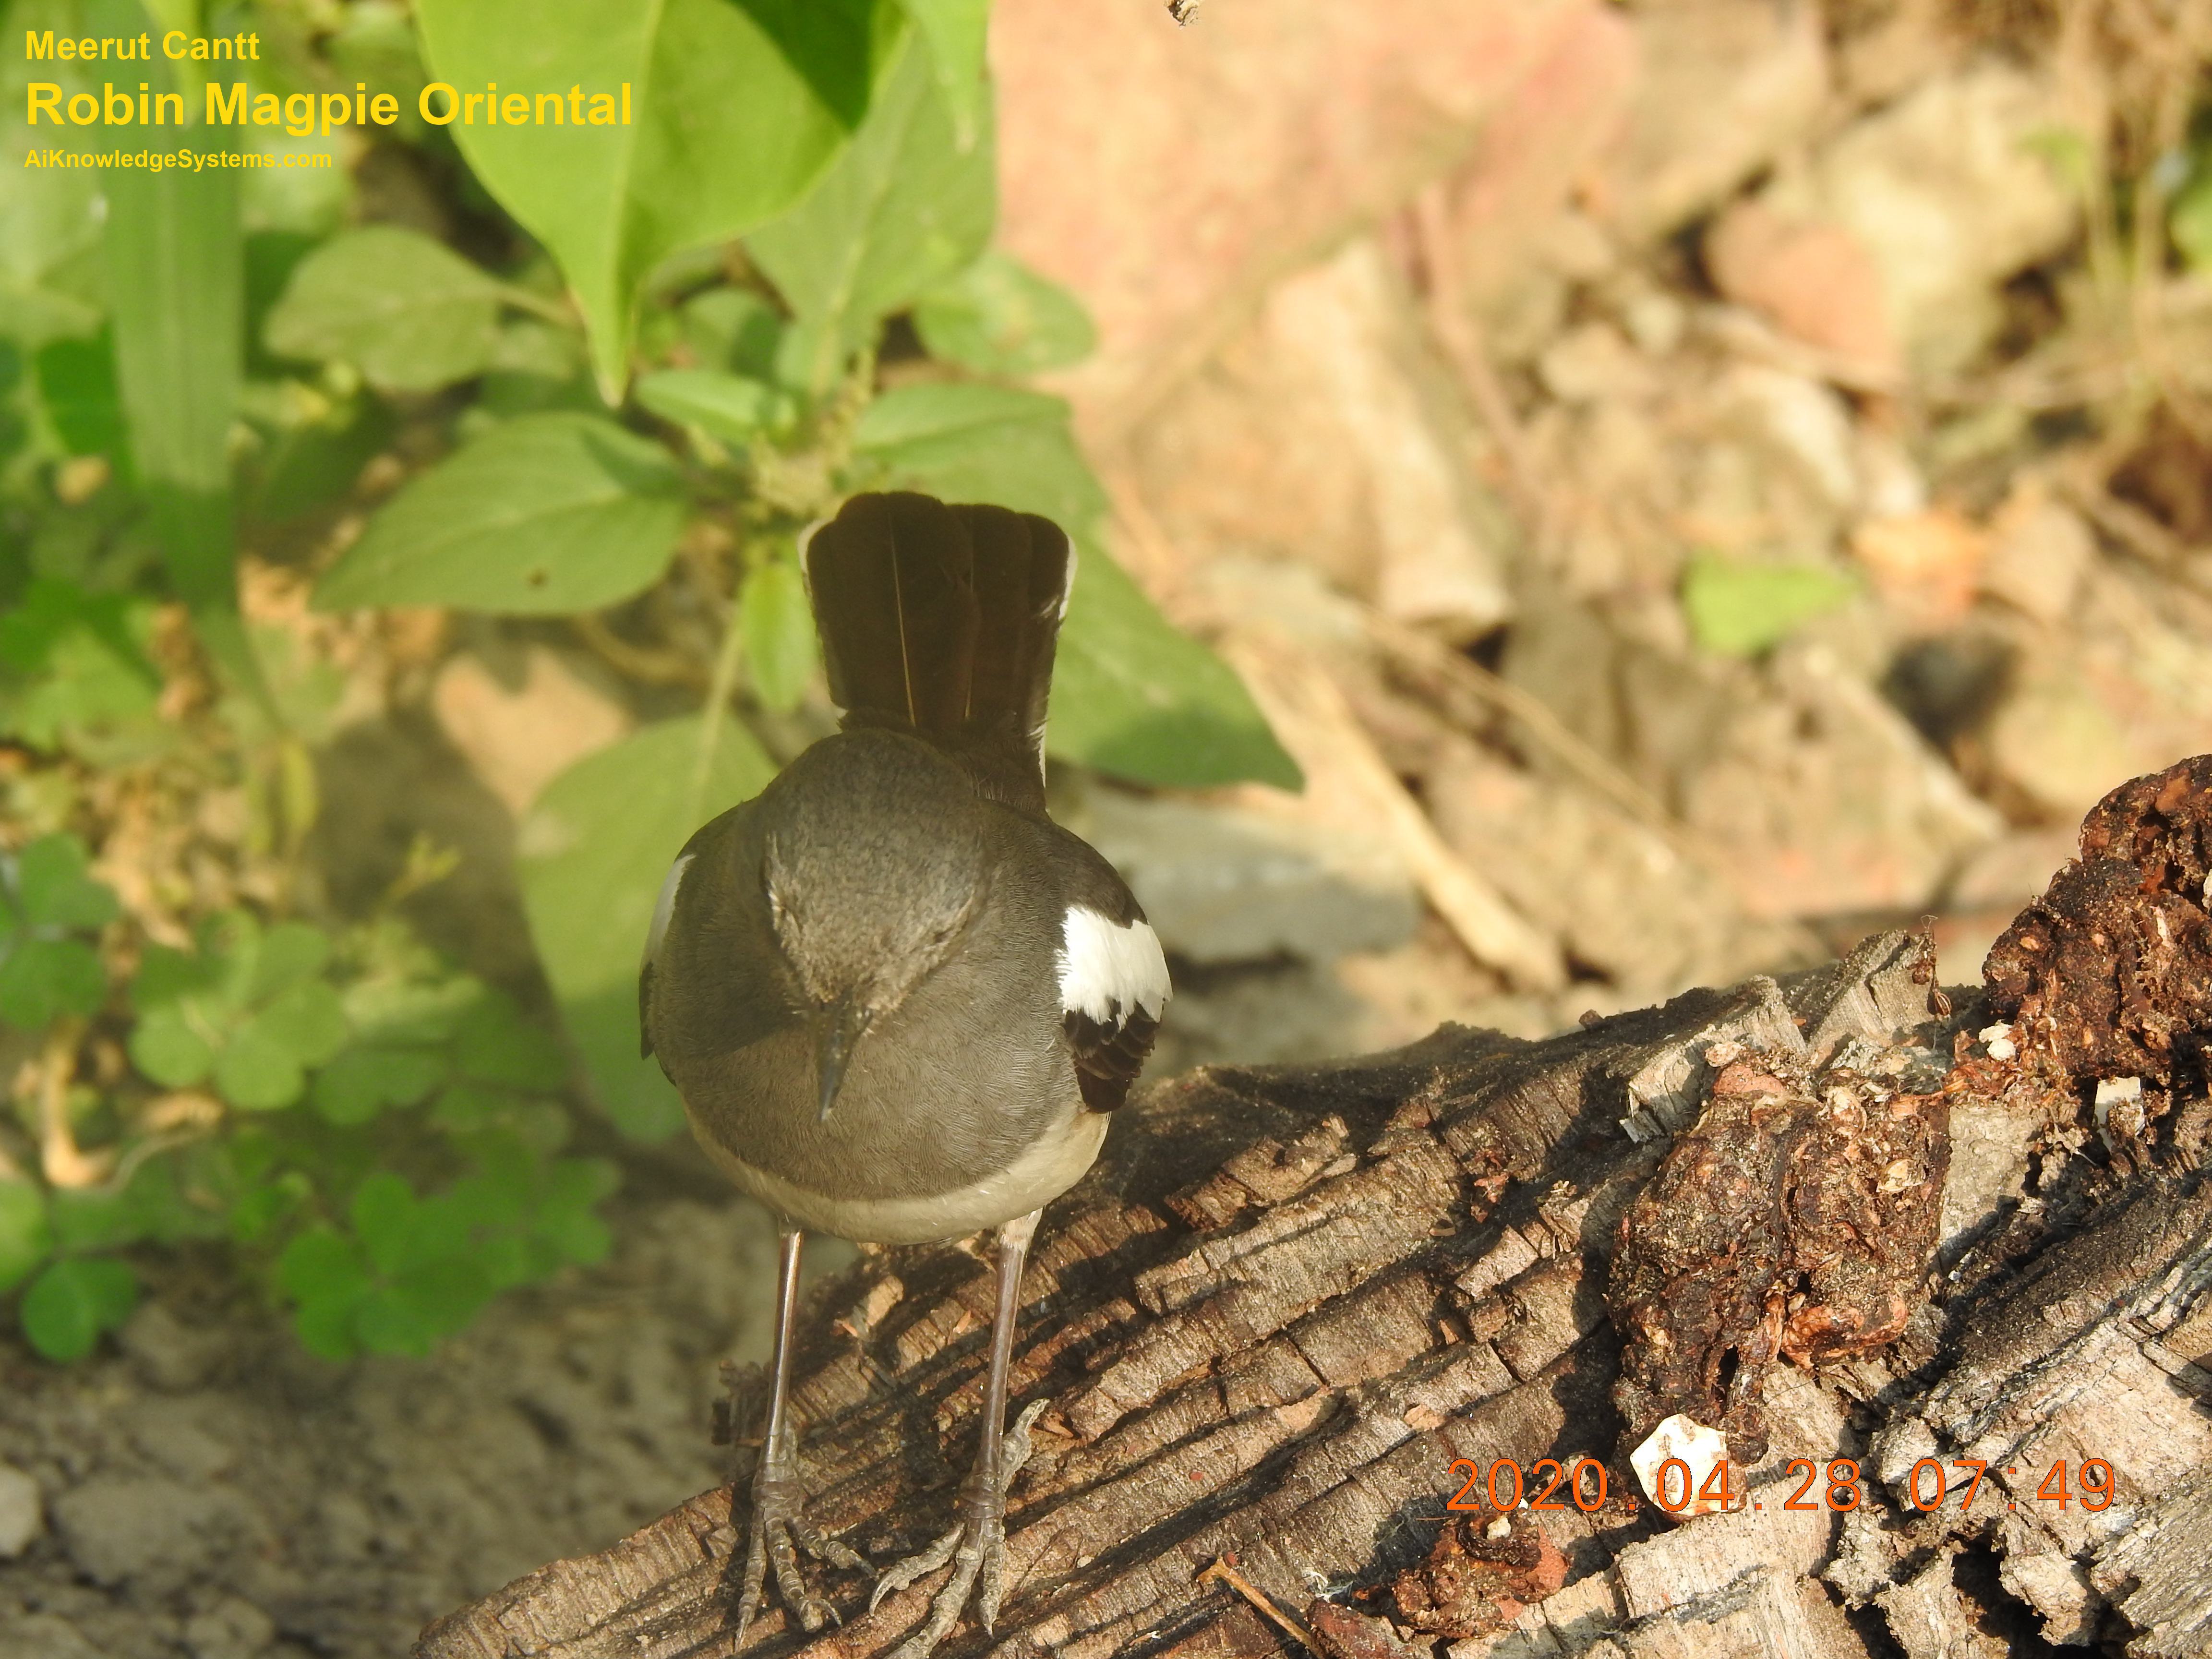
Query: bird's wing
(656,935)
(1113,985)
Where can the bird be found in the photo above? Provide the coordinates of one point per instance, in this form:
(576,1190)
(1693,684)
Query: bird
(901,1004)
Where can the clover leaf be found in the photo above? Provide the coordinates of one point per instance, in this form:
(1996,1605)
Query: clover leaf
(250,1009)
(47,900)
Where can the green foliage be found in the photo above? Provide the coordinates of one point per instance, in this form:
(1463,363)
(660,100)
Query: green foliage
(407,312)
(2189,221)
(1740,610)
(71,1305)
(25,1235)
(779,633)
(47,902)
(733,408)
(904,207)
(594,851)
(735,110)
(73,674)
(544,514)
(252,1010)
(999,317)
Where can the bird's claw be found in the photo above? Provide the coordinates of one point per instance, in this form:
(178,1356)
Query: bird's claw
(780,1533)
(977,1547)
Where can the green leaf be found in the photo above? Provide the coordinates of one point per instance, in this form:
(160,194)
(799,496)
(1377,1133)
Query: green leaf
(1738,610)
(904,207)
(70,666)
(1134,696)
(72,1302)
(257,1072)
(955,32)
(323,1271)
(76,384)
(41,979)
(733,328)
(54,888)
(408,312)
(730,407)
(592,853)
(778,633)
(726,130)
(544,515)
(999,317)
(359,1083)
(2190,223)
(289,954)
(164,1046)
(495,1044)
(966,442)
(306,1020)
(25,1237)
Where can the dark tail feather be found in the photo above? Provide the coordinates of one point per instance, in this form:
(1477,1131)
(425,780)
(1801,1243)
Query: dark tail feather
(941,620)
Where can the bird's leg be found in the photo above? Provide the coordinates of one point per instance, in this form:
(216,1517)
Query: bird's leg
(780,1527)
(976,1544)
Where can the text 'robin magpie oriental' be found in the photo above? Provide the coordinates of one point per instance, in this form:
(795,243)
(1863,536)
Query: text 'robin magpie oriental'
(897,1000)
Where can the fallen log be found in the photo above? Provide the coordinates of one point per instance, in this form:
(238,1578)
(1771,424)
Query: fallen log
(1313,1338)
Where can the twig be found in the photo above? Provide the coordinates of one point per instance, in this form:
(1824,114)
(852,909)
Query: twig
(1261,1603)
(64,1164)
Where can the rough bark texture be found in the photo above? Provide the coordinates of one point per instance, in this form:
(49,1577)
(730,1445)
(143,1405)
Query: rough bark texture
(1820,1214)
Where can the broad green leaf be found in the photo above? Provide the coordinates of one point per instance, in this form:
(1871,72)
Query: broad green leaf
(307,1021)
(1134,696)
(257,1072)
(42,978)
(999,317)
(546,514)
(731,407)
(1131,695)
(955,32)
(73,1302)
(1738,610)
(725,129)
(904,207)
(592,853)
(779,633)
(408,312)
(733,328)
(25,1237)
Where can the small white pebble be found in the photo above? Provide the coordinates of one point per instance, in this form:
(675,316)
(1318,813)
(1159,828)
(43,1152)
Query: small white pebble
(1998,1040)
(22,1515)
(1501,1527)
(1702,1449)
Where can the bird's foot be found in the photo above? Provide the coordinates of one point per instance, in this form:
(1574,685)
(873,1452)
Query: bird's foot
(780,1532)
(977,1547)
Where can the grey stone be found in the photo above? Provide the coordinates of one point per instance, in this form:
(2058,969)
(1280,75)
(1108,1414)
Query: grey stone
(232,1628)
(22,1515)
(167,1353)
(147,1531)
(43,1636)
(1225,884)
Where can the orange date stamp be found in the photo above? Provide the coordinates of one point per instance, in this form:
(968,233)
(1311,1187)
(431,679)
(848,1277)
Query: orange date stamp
(1837,1486)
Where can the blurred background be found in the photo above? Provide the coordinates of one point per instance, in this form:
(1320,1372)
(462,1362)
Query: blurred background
(1684,483)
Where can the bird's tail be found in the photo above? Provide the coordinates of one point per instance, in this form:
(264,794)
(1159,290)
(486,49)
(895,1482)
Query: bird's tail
(941,620)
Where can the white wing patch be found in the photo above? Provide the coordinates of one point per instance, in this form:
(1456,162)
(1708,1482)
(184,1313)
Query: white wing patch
(1107,970)
(664,905)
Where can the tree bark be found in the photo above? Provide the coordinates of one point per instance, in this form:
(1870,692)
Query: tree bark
(1288,1299)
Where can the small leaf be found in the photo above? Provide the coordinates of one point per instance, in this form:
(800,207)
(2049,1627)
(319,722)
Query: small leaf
(257,1071)
(592,853)
(382,1215)
(778,634)
(55,890)
(361,1082)
(730,407)
(1738,610)
(71,665)
(42,978)
(903,208)
(985,443)
(323,1272)
(494,1044)
(999,317)
(73,1302)
(25,1237)
(408,312)
(164,1046)
(546,514)
(733,329)
(76,384)
(289,953)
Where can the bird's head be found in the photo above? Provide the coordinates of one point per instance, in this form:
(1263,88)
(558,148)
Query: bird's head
(871,879)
